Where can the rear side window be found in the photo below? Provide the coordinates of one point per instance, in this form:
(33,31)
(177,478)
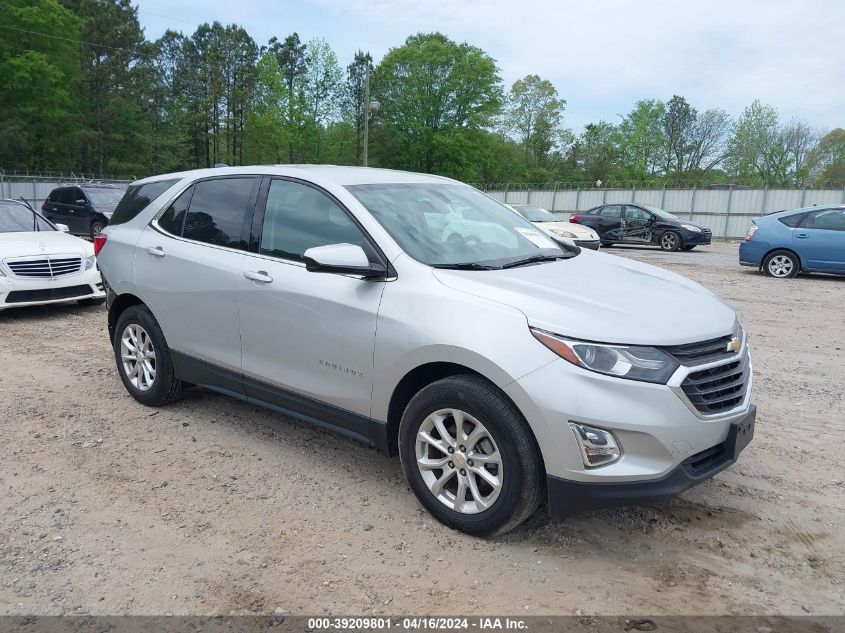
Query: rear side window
(173,219)
(218,211)
(67,196)
(611,212)
(792,220)
(136,199)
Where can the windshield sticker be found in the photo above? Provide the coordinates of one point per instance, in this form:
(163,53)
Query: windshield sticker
(536,237)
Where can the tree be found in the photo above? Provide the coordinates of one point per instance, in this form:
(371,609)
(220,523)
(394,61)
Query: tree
(352,102)
(39,78)
(694,143)
(291,57)
(641,140)
(432,93)
(323,82)
(534,115)
(597,153)
(828,159)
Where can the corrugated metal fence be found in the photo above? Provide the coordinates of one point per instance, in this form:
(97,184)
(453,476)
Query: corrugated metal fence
(726,212)
(35,188)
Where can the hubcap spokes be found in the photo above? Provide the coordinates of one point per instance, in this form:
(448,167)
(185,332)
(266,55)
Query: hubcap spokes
(138,357)
(668,241)
(459,461)
(780,266)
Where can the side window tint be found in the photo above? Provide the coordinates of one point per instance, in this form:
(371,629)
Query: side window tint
(173,218)
(299,217)
(137,198)
(612,212)
(829,220)
(66,196)
(218,211)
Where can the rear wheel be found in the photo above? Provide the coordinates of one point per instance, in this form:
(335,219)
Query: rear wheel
(470,457)
(143,358)
(670,241)
(96,228)
(781,264)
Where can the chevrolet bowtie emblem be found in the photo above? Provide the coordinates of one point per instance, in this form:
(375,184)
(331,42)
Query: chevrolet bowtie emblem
(42,246)
(733,345)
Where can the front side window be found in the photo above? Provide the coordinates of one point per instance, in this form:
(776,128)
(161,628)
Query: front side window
(464,227)
(635,213)
(828,220)
(218,211)
(137,198)
(16,218)
(298,217)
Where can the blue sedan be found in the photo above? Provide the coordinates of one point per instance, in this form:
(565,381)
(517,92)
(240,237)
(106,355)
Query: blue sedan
(808,240)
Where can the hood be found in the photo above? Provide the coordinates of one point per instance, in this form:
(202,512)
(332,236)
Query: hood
(603,298)
(42,243)
(580,231)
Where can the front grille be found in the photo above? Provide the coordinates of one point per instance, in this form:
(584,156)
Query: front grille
(718,388)
(48,267)
(48,294)
(706,461)
(703,352)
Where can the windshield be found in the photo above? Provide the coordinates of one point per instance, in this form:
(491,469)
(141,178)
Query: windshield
(660,213)
(535,214)
(453,225)
(104,197)
(16,218)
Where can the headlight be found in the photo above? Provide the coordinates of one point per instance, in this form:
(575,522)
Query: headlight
(633,362)
(562,233)
(88,262)
(691,227)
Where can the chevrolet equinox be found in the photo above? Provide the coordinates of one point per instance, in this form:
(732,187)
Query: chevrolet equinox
(417,315)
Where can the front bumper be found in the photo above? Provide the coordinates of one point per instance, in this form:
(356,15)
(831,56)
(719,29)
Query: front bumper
(591,244)
(567,497)
(19,293)
(691,238)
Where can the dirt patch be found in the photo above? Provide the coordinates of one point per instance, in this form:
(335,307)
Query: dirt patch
(212,506)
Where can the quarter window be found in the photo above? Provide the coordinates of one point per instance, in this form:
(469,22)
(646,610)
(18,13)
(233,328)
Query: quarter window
(299,217)
(218,211)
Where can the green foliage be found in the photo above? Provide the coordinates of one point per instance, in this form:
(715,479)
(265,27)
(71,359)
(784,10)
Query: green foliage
(534,114)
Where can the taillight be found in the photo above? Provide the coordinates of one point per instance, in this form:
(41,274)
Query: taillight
(44,206)
(99,242)
(751,231)
(575,218)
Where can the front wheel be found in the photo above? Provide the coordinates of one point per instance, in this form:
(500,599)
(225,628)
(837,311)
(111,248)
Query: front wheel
(470,457)
(670,241)
(781,264)
(143,358)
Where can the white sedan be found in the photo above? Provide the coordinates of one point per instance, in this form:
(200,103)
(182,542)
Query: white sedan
(40,263)
(582,235)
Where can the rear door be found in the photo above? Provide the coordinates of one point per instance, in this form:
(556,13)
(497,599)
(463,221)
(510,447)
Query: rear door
(186,269)
(80,212)
(303,333)
(820,240)
(608,222)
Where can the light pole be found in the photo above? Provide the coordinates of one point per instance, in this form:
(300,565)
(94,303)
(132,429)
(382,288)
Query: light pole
(369,108)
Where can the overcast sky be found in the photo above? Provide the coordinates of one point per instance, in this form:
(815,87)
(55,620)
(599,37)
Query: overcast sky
(602,55)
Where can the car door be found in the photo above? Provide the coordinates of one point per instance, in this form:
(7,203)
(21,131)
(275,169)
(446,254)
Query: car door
(820,240)
(636,225)
(609,222)
(307,338)
(60,209)
(186,268)
(79,211)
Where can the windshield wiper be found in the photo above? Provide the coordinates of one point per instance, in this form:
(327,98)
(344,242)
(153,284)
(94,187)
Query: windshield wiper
(536,259)
(463,266)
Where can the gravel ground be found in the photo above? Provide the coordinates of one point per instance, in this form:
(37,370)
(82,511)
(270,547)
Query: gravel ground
(212,506)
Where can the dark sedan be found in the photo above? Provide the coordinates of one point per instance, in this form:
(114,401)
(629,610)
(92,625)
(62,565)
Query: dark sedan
(642,224)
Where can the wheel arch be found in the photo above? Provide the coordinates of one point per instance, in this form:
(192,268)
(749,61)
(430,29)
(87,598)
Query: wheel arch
(118,306)
(801,265)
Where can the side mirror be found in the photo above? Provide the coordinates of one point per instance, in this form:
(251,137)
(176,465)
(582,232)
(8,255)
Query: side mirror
(341,259)
(64,228)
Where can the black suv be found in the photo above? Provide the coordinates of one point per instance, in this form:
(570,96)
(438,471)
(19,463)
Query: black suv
(86,208)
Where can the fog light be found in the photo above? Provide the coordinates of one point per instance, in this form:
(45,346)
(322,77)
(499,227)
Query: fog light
(598,447)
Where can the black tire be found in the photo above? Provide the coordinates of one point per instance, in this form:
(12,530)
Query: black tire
(96,227)
(781,260)
(166,388)
(670,241)
(607,243)
(92,302)
(522,486)
(689,248)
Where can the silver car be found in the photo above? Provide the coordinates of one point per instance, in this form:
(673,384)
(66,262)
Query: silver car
(419,316)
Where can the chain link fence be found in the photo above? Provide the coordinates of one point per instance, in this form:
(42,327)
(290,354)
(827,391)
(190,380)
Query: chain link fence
(35,187)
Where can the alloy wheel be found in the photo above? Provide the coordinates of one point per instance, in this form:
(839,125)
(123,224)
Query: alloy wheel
(781,266)
(459,461)
(668,241)
(138,357)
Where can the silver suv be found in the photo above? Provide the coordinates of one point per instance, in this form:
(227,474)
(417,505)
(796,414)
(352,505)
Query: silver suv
(417,315)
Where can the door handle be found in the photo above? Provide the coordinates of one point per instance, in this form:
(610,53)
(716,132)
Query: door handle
(258,275)
(801,236)
(156,251)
